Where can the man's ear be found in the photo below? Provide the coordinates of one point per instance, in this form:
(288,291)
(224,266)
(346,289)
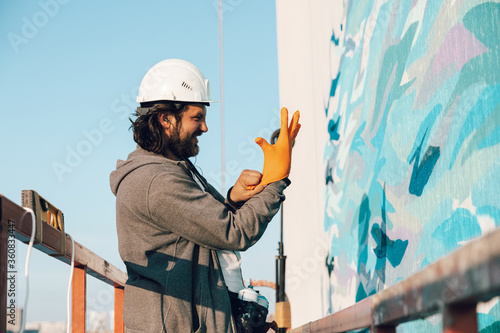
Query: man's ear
(165,121)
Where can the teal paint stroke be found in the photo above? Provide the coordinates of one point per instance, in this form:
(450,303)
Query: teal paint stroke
(394,61)
(423,160)
(485,193)
(422,135)
(421,43)
(483,122)
(484,22)
(387,248)
(402,8)
(362,257)
(420,326)
(488,322)
(493,212)
(334,40)
(333,89)
(430,248)
(422,170)
(461,226)
(333,129)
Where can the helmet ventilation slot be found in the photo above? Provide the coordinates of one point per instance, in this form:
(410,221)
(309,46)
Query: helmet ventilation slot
(187,86)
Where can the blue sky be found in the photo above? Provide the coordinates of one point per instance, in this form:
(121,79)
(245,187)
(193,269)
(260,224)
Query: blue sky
(69,75)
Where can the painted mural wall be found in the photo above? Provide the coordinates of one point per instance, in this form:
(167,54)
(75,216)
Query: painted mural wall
(412,158)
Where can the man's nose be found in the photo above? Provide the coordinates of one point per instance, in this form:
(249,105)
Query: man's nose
(203,127)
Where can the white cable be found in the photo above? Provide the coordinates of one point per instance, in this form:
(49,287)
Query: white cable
(26,273)
(68,297)
(27,266)
(221,80)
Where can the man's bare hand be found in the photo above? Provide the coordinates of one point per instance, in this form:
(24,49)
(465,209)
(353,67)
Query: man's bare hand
(245,187)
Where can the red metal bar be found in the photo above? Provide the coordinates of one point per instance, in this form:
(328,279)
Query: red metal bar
(78,299)
(119,293)
(460,318)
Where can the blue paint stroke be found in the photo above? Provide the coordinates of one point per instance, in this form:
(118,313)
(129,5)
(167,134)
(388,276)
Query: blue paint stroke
(364,222)
(460,226)
(493,138)
(387,248)
(328,176)
(357,140)
(479,113)
(422,170)
(333,129)
(335,40)
(394,61)
(488,322)
(363,226)
(422,136)
(360,293)
(329,265)
(333,87)
(493,212)
(493,328)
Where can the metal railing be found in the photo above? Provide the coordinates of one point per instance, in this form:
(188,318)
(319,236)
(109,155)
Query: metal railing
(452,286)
(85,263)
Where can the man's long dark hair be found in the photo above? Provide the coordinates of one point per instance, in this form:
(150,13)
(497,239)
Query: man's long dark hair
(149,134)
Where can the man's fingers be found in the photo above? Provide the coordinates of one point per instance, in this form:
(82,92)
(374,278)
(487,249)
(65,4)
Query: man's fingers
(255,189)
(295,119)
(262,143)
(284,120)
(258,189)
(250,177)
(294,133)
(294,122)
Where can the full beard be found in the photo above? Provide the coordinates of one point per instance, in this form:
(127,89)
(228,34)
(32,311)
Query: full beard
(186,147)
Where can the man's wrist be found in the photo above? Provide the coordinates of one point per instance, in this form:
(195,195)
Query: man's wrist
(237,204)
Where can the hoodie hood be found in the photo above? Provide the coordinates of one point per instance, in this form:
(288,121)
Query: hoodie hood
(135,159)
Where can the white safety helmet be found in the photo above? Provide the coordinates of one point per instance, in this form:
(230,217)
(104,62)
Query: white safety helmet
(174,80)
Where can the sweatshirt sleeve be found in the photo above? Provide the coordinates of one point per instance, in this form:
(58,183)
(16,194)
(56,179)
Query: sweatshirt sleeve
(177,204)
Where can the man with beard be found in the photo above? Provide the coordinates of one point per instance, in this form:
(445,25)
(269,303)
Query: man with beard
(171,223)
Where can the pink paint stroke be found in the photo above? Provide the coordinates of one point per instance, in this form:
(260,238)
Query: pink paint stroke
(459,47)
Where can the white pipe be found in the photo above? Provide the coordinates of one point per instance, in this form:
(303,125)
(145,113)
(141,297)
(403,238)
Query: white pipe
(221,78)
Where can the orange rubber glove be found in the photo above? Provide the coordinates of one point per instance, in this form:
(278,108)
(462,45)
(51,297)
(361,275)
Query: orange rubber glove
(278,157)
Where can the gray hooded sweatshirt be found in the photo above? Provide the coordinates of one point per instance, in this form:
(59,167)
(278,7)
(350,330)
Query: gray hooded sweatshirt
(169,229)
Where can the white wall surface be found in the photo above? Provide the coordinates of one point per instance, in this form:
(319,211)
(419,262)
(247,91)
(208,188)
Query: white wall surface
(304,30)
